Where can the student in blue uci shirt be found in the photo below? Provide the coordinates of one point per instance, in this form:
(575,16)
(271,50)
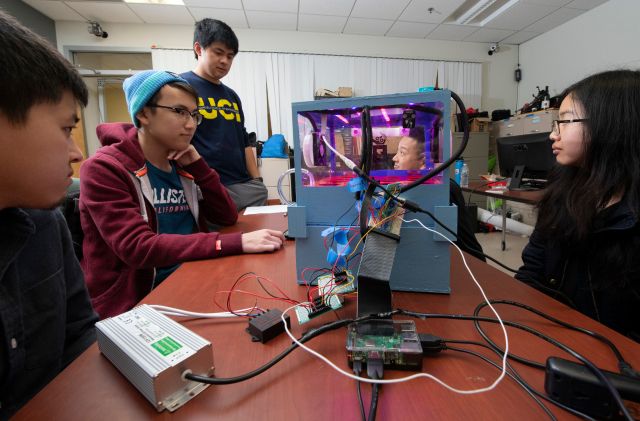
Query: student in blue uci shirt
(221,139)
(46,319)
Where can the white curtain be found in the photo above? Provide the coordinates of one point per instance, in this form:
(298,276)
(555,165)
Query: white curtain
(290,78)
(283,78)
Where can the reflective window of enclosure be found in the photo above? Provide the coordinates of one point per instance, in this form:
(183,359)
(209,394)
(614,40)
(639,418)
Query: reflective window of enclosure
(405,141)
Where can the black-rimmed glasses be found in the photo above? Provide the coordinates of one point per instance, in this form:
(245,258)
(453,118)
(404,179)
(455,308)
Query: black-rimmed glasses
(555,124)
(182,112)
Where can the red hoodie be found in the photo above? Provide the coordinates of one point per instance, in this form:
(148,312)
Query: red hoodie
(121,247)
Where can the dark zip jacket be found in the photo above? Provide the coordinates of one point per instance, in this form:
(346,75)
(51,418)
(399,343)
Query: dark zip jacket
(600,276)
(45,314)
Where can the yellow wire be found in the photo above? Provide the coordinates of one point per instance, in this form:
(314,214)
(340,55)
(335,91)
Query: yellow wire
(371,229)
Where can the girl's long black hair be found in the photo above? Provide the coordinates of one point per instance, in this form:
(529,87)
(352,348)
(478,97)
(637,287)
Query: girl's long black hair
(611,163)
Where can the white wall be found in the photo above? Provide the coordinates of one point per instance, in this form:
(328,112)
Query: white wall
(601,39)
(498,86)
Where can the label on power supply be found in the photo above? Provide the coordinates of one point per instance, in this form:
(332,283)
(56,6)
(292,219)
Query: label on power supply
(153,337)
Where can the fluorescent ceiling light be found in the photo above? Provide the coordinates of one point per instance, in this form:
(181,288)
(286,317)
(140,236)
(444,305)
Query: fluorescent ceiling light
(474,11)
(170,2)
(498,11)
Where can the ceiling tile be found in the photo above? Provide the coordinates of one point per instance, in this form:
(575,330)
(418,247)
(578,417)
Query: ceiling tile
(222,4)
(367,26)
(156,13)
(379,9)
(411,29)
(556,3)
(271,20)
(585,4)
(326,7)
(520,37)
(55,10)
(233,18)
(489,35)
(287,6)
(317,23)
(104,11)
(557,18)
(452,32)
(519,16)
(393,18)
(417,10)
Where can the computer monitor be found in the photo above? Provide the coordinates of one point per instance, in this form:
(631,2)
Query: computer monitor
(526,156)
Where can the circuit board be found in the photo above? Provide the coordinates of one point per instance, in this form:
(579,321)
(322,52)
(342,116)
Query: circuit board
(394,342)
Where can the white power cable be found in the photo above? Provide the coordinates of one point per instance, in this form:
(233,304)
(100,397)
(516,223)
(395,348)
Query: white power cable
(349,163)
(171,311)
(417,375)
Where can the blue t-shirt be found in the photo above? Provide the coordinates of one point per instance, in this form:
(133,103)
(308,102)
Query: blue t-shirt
(173,213)
(221,138)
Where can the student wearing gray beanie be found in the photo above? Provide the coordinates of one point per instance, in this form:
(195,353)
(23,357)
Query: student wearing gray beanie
(148,196)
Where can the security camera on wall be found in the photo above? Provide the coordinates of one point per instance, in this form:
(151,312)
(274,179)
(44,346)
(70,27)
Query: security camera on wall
(96,29)
(493,48)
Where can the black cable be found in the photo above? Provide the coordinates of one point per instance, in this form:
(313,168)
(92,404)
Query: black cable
(538,284)
(624,366)
(595,370)
(363,416)
(306,337)
(364,209)
(526,385)
(511,376)
(367,140)
(414,207)
(363,170)
(450,231)
(454,156)
(375,390)
(357,369)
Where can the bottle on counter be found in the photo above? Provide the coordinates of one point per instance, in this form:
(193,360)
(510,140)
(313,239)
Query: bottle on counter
(464,175)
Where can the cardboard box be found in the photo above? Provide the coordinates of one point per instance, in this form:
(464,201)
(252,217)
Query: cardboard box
(479,124)
(345,92)
(326,93)
(341,92)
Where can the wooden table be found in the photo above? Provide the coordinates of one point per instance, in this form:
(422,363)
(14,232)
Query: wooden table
(302,387)
(530,197)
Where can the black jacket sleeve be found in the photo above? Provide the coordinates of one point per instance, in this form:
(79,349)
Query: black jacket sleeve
(80,321)
(534,254)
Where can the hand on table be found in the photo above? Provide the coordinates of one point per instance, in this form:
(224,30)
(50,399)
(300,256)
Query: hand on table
(262,240)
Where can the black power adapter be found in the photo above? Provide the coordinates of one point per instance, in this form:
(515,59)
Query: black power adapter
(267,325)
(576,386)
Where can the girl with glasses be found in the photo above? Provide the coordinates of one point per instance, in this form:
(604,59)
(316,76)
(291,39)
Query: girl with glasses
(585,249)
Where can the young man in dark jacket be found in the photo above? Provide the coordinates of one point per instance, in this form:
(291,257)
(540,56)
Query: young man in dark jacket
(46,319)
(146,197)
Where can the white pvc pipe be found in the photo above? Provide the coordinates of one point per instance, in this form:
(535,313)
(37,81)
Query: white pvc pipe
(511,225)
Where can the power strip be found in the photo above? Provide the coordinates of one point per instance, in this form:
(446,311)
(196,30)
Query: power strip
(577,387)
(154,352)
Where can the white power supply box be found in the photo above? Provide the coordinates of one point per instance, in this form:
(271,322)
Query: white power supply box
(153,352)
